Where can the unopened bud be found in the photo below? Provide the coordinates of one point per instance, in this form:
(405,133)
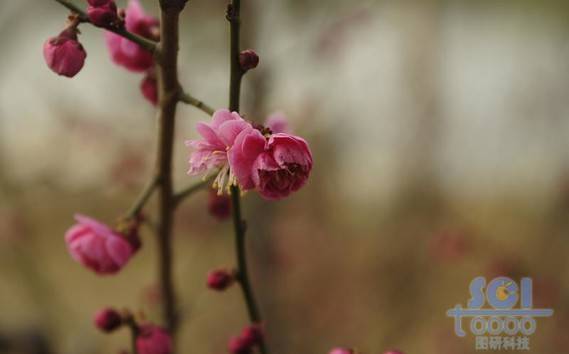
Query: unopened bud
(108,319)
(220,279)
(248,59)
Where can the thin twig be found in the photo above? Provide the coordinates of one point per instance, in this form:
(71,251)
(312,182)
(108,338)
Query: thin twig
(239,225)
(187,98)
(186,192)
(141,41)
(143,198)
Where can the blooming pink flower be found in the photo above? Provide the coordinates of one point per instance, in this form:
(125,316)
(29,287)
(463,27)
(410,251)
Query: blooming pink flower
(97,247)
(219,279)
(64,54)
(108,319)
(276,166)
(211,150)
(127,53)
(341,351)
(103,15)
(152,339)
(149,89)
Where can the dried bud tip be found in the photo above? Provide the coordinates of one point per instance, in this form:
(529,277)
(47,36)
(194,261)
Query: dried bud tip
(248,59)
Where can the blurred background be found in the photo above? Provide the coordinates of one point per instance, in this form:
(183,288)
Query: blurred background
(440,135)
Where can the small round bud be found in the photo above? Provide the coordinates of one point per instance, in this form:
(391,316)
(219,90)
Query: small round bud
(107,320)
(149,89)
(248,59)
(103,16)
(219,205)
(64,54)
(253,334)
(219,279)
(238,345)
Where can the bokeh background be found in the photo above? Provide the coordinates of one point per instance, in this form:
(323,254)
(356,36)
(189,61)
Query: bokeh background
(440,134)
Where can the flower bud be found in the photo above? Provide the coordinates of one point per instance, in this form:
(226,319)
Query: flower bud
(219,205)
(239,345)
(152,339)
(149,88)
(253,334)
(99,2)
(248,59)
(64,54)
(219,279)
(103,15)
(107,320)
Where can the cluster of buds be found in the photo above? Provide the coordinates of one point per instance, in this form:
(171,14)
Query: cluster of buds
(149,338)
(250,337)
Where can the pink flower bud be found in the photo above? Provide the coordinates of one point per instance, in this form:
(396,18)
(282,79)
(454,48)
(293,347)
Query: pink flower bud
(220,279)
(98,247)
(152,339)
(99,2)
(107,320)
(253,334)
(341,351)
(103,15)
(149,88)
(64,54)
(219,205)
(239,345)
(248,59)
(276,166)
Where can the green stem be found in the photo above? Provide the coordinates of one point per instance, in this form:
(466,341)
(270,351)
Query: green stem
(187,98)
(121,31)
(239,225)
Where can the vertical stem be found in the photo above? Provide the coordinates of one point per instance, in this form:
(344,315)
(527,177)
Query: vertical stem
(169,89)
(233,15)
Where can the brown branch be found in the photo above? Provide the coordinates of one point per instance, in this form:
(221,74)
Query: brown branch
(169,90)
(187,98)
(239,225)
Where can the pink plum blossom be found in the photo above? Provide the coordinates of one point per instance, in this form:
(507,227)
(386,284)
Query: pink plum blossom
(64,54)
(103,15)
(98,247)
(152,339)
(210,151)
(127,53)
(149,88)
(276,166)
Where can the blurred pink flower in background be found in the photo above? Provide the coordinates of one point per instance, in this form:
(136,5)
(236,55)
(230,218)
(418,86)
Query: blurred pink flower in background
(448,245)
(149,87)
(277,123)
(127,53)
(64,54)
(152,339)
(341,351)
(98,247)
(218,205)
